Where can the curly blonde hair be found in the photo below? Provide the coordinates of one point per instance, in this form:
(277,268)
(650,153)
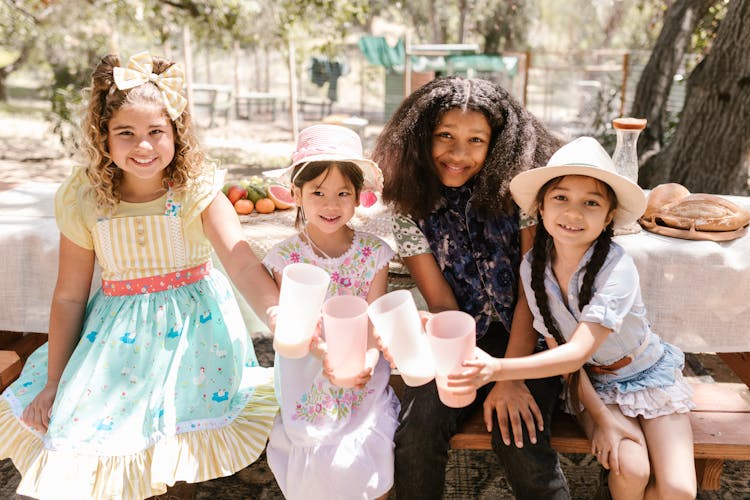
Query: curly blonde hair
(104,98)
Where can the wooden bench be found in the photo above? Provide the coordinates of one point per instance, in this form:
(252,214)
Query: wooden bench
(320,108)
(720,424)
(720,420)
(14,349)
(254,105)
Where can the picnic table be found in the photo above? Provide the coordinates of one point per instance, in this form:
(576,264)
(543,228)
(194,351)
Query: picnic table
(697,292)
(251,105)
(217,99)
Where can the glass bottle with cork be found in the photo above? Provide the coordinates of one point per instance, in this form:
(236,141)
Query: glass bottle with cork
(625,156)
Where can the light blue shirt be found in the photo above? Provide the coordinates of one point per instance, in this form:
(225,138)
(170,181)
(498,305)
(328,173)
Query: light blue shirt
(615,304)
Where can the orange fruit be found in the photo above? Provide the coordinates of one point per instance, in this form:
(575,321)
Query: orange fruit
(265,206)
(243,207)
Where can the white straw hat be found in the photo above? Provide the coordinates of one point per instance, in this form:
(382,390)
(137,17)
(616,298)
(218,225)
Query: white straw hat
(326,142)
(583,156)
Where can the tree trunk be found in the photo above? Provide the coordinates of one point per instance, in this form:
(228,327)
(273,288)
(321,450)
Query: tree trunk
(463,8)
(710,151)
(653,88)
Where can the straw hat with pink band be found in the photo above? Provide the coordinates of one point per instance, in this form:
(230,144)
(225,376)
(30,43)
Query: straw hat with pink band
(334,143)
(583,156)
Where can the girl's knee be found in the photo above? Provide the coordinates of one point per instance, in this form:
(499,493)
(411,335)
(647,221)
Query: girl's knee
(634,475)
(676,488)
(635,467)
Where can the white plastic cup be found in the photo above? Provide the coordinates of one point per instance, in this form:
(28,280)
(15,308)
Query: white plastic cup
(345,328)
(396,321)
(452,336)
(303,290)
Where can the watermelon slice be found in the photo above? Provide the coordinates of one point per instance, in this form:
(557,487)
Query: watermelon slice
(281,196)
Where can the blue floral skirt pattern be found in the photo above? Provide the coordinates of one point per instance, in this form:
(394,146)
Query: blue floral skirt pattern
(161,387)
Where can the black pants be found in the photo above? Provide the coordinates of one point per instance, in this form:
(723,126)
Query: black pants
(426,426)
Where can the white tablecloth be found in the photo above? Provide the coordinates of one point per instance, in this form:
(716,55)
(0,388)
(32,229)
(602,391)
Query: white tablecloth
(29,250)
(28,256)
(697,292)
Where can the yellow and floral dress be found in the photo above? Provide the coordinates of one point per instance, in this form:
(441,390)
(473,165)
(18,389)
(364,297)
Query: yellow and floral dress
(164,384)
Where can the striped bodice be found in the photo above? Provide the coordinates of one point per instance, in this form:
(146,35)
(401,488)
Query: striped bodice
(147,245)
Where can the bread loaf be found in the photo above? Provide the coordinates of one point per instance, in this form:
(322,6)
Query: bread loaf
(662,195)
(672,205)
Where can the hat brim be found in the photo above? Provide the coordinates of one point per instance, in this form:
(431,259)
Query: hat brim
(631,200)
(373,177)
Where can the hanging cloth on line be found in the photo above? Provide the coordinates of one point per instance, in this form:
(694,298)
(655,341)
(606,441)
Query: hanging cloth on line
(377,51)
(323,70)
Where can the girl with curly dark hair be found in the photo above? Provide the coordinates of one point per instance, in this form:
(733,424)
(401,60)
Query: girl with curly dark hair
(448,155)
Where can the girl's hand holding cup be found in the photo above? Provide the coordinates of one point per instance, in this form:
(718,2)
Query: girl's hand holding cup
(477,372)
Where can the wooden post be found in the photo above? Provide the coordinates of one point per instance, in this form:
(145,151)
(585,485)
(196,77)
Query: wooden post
(209,73)
(624,85)
(188,67)
(114,41)
(362,75)
(407,63)
(267,69)
(293,91)
(739,362)
(236,61)
(526,66)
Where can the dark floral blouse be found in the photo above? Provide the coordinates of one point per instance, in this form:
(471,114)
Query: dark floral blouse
(478,254)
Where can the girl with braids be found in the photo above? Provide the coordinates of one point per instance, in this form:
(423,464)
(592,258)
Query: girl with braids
(155,380)
(448,155)
(583,291)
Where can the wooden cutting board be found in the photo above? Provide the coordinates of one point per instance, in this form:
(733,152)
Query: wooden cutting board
(691,234)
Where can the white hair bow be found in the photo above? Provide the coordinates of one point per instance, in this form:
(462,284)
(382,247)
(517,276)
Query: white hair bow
(170,82)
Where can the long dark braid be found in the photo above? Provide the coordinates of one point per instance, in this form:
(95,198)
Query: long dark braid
(540,253)
(593,266)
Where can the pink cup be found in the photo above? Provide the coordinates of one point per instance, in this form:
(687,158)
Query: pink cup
(303,290)
(345,328)
(452,337)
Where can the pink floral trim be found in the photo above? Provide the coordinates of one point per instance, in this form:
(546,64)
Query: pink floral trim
(152,284)
(329,402)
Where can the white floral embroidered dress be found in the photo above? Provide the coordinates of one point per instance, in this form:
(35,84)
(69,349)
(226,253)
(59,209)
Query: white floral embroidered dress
(329,442)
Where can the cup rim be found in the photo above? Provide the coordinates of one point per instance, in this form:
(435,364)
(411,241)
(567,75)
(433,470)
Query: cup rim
(358,302)
(313,275)
(378,306)
(451,336)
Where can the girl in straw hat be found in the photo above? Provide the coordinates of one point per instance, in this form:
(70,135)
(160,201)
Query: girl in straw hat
(583,291)
(329,441)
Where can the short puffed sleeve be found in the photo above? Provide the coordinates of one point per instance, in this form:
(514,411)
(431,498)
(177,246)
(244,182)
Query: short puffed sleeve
(410,240)
(277,256)
(74,209)
(379,249)
(525,220)
(201,192)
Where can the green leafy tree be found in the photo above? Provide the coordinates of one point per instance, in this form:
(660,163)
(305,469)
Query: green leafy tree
(501,24)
